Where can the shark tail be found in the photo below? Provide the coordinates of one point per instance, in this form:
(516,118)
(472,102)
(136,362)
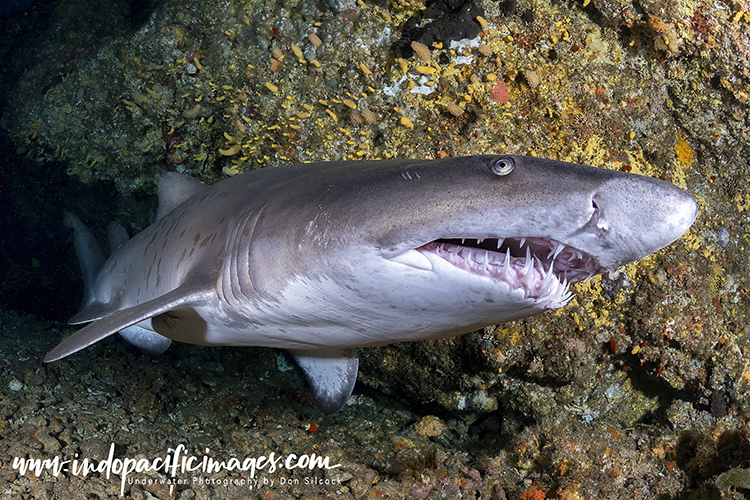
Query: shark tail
(91,258)
(90,255)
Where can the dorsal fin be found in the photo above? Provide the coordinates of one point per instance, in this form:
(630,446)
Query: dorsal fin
(174,188)
(117,236)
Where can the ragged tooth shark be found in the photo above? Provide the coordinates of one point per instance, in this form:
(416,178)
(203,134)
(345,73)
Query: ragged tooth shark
(320,259)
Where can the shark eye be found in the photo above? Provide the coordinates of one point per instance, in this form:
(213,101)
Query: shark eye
(503,166)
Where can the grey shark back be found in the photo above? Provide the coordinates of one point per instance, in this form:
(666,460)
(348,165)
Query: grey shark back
(321,259)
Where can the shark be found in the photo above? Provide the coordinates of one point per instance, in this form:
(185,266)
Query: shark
(321,259)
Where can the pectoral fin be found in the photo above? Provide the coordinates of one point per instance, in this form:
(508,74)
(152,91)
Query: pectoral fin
(119,320)
(331,373)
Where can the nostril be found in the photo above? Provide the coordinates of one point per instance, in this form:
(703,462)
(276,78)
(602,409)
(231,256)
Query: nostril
(597,218)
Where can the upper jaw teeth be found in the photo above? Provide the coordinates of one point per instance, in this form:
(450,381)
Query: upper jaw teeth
(568,262)
(556,251)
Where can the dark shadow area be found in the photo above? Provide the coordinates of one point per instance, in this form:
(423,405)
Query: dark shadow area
(40,273)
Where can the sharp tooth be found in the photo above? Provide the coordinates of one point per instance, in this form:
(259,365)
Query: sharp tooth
(543,291)
(527,280)
(556,251)
(580,255)
(479,240)
(548,275)
(560,248)
(486,258)
(506,265)
(523,240)
(528,266)
(463,240)
(549,280)
(500,242)
(529,263)
(566,298)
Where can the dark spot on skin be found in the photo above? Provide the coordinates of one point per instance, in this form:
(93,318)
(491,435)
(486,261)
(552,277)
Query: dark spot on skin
(197,238)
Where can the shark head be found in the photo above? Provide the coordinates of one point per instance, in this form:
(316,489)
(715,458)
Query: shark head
(462,241)
(539,225)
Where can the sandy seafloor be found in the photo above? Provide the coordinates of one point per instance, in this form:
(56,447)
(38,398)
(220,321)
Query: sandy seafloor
(637,389)
(221,403)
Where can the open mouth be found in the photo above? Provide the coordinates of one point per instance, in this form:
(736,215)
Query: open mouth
(541,267)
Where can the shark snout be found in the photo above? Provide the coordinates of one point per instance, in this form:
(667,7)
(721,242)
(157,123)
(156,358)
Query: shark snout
(669,212)
(641,215)
(684,211)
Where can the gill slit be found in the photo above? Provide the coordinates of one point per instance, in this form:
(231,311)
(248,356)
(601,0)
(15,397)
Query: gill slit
(234,289)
